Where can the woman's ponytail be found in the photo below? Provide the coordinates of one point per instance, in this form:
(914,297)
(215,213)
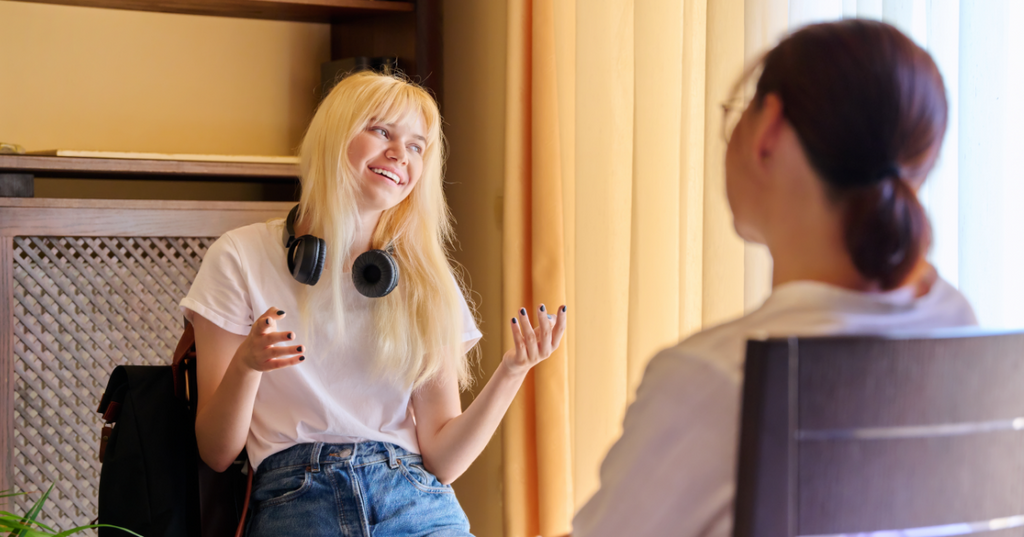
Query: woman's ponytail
(887,231)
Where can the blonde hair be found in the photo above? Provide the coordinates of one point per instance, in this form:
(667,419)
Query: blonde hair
(419,325)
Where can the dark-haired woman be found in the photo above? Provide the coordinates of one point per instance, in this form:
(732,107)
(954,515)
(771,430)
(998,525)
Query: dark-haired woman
(823,168)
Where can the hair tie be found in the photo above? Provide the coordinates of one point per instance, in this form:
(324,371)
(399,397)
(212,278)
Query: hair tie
(890,171)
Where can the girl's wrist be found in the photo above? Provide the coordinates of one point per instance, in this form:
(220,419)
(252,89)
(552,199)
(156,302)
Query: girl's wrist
(512,372)
(242,369)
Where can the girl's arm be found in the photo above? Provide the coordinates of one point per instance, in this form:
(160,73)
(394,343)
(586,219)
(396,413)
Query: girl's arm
(228,372)
(450,440)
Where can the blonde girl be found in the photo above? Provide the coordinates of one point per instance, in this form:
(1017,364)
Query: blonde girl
(349,406)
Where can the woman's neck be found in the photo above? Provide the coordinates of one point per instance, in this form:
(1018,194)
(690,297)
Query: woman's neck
(815,256)
(833,268)
(811,247)
(363,240)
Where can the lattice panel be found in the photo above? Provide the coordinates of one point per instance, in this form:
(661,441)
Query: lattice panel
(82,306)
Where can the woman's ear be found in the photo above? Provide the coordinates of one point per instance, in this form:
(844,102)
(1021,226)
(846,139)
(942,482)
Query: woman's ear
(768,124)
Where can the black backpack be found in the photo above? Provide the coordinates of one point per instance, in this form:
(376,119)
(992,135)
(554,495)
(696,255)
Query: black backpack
(152,480)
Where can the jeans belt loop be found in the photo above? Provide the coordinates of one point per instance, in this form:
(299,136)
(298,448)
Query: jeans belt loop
(392,456)
(314,457)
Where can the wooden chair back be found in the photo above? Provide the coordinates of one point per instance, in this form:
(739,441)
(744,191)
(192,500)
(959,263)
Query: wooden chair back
(871,436)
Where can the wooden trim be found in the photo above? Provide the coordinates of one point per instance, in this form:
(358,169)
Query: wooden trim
(172,205)
(430,47)
(7,363)
(48,166)
(130,218)
(290,10)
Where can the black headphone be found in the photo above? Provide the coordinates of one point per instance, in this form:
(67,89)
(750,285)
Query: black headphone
(375,273)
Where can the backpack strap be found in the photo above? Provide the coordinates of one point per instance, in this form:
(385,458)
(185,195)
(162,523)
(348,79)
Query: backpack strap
(110,405)
(183,365)
(245,504)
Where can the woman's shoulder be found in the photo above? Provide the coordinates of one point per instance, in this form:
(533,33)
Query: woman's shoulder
(252,234)
(950,307)
(250,239)
(713,351)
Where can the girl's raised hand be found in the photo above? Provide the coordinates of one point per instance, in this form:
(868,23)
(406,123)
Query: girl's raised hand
(533,345)
(259,351)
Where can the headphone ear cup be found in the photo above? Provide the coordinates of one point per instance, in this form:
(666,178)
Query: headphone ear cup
(319,260)
(306,258)
(375,273)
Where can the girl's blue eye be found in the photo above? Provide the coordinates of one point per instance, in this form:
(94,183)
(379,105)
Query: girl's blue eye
(416,148)
(382,132)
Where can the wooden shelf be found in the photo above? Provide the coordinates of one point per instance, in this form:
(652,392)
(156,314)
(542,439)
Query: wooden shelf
(70,167)
(289,10)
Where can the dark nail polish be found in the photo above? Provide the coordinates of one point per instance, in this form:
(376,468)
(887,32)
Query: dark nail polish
(291,335)
(280,312)
(299,349)
(514,321)
(542,307)
(268,321)
(522,311)
(301,358)
(563,309)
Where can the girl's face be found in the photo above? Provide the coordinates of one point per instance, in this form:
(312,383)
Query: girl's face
(388,161)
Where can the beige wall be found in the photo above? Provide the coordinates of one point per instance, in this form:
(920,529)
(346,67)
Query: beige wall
(474,85)
(104,79)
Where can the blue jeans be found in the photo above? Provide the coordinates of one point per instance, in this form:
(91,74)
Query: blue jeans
(366,489)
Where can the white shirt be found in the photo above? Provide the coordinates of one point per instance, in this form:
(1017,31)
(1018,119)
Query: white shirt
(673,470)
(333,395)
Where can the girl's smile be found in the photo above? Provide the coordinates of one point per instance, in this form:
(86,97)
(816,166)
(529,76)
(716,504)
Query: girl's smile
(390,173)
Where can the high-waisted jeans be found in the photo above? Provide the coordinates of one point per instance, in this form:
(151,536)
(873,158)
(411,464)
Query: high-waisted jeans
(342,490)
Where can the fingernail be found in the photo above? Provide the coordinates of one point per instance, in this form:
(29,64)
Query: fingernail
(268,321)
(542,307)
(563,309)
(514,321)
(299,349)
(301,358)
(522,311)
(291,335)
(551,316)
(280,312)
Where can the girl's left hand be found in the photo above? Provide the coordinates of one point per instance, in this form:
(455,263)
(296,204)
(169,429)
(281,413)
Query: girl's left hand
(533,345)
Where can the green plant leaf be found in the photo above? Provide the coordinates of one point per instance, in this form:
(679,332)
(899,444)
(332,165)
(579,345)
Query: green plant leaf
(22,526)
(14,525)
(8,494)
(33,533)
(11,518)
(34,512)
(83,528)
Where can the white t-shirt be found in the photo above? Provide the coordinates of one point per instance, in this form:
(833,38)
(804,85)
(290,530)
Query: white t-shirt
(673,470)
(333,395)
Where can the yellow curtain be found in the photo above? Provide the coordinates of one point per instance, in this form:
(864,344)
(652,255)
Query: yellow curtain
(614,202)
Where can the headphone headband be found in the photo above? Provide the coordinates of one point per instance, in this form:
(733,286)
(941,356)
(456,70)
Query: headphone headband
(288,234)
